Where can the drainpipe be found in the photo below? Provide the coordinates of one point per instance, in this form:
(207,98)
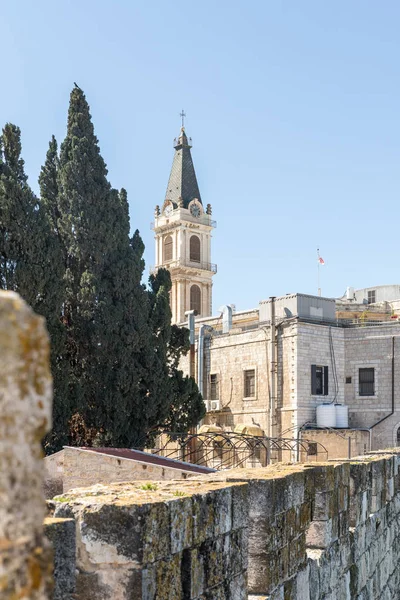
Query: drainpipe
(190,315)
(272,400)
(392,411)
(200,356)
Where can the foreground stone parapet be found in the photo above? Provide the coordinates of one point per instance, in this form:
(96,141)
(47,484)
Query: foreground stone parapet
(25,414)
(167,541)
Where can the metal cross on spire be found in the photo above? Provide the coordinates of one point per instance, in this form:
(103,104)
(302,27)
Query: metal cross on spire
(183,115)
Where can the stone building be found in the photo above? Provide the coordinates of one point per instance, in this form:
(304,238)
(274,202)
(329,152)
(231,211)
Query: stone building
(270,367)
(275,375)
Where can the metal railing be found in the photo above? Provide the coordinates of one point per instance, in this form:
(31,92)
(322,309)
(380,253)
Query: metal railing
(172,264)
(227,450)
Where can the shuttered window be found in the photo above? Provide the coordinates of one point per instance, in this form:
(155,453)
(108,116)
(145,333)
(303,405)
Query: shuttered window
(195,299)
(366,382)
(214,386)
(250,383)
(168,244)
(195,248)
(319,380)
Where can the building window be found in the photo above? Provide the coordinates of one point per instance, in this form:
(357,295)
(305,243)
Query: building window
(398,437)
(168,245)
(319,380)
(348,379)
(195,248)
(312,449)
(214,387)
(250,383)
(195,299)
(366,382)
(371,296)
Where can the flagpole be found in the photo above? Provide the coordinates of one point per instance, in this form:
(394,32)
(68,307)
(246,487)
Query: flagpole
(319,289)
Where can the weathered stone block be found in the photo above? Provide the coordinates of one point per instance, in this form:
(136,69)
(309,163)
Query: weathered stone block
(193,578)
(161,580)
(181,518)
(321,534)
(240,506)
(61,533)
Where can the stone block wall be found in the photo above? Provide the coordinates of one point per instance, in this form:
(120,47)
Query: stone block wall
(285,532)
(338,443)
(372,347)
(78,467)
(166,541)
(324,532)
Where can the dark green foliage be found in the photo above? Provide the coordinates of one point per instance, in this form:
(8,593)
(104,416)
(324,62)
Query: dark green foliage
(115,355)
(124,381)
(21,224)
(30,259)
(54,299)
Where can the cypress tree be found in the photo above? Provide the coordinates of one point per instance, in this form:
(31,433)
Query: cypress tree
(30,261)
(53,300)
(21,225)
(105,304)
(121,351)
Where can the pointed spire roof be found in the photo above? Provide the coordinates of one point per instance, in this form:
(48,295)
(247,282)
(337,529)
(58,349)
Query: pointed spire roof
(182,182)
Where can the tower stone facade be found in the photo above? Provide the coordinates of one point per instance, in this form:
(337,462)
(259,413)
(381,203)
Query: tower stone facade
(183,230)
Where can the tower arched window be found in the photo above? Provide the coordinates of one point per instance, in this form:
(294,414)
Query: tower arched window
(195,248)
(195,299)
(168,245)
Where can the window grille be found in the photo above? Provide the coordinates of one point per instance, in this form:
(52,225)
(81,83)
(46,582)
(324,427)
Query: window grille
(366,382)
(250,383)
(195,248)
(168,245)
(195,299)
(371,296)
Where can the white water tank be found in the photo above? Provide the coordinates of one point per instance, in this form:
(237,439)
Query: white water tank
(342,416)
(326,415)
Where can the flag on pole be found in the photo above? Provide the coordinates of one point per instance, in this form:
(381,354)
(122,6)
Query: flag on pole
(321,260)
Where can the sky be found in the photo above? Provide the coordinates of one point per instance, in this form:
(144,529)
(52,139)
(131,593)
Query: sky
(293,107)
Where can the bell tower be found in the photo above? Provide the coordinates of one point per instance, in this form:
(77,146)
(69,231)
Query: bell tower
(183,237)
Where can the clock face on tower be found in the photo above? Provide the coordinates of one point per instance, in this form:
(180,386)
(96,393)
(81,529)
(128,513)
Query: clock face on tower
(195,210)
(168,210)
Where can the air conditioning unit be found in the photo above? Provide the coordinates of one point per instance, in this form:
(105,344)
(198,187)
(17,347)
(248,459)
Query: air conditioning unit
(213,405)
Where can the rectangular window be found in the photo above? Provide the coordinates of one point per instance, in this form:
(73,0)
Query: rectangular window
(366,382)
(319,380)
(214,387)
(250,383)
(371,296)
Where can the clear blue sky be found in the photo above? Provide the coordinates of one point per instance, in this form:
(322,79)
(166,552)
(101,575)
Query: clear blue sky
(293,108)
